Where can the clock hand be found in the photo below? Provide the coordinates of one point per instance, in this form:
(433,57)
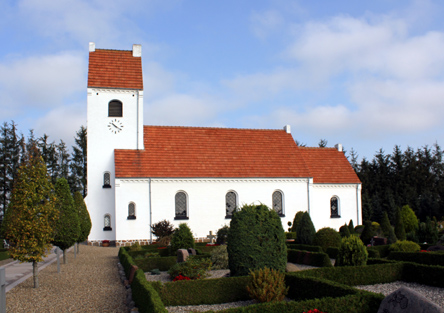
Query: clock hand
(116,126)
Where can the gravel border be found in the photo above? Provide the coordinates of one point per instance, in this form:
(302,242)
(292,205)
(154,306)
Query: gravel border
(88,283)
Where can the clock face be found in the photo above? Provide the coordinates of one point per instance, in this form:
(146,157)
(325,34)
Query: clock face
(115,126)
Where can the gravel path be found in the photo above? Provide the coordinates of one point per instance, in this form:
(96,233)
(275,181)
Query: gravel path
(88,283)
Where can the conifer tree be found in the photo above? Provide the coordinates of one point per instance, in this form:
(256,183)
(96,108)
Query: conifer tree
(67,227)
(367,232)
(30,216)
(399,226)
(387,229)
(78,163)
(296,220)
(84,218)
(344,231)
(305,232)
(351,227)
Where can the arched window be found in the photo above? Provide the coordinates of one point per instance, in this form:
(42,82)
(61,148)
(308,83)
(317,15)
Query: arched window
(181,206)
(115,108)
(278,203)
(230,204)
(132,211)
(106,180)
(107,222)
(334,207)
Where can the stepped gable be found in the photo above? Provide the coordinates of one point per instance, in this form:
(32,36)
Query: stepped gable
(329,166)
(114,69)
(195,152)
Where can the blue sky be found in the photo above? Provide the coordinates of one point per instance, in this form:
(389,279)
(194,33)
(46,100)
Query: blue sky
(367,74)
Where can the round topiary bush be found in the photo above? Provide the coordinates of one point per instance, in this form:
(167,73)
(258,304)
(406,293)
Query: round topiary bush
(182,238)
(327,238)
(256,240)
(344,231)
(405,246)
(352,252)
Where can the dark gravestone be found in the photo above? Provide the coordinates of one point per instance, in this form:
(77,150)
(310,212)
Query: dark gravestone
(191,251)
(182,255)
(378,241)
(405,300)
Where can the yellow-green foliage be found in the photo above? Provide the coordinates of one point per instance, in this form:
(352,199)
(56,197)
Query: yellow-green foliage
(267,285)
(405,246)
(409,219)
(352,252)
(219,257)
(135,247)
(30,217)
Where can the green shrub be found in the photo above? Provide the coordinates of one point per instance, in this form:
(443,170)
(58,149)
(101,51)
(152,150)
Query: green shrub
(4,255)
(327,238)
(162,263)
(126,260)
(222,235)
(367,233)
(344,231)
(267,285)
(404,246)
(311,248)
(399,226)
(318,259)
(409,219)
(305,232)
(383,250)
(428,231)
(219,257)
(387,229)
(193,268)
(352,252)
(351,227)
(256,240)
(373,253)
(182,238)
(296,221)
(332,252)
(359,229)
(135,247)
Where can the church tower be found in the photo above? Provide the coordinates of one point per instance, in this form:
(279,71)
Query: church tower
(114,121)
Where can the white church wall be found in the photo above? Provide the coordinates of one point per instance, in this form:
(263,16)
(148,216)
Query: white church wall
(101,145)
(320,205)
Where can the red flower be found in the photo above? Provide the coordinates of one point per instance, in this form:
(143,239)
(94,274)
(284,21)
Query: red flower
(181,277)
(314,311)
(162,248)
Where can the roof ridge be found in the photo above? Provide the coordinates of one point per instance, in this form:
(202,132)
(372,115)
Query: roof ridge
(214,127)
(110,50)
(313,148)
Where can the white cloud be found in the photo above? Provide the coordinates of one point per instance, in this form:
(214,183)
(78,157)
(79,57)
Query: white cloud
(264,24)
(40,82)
(180,110)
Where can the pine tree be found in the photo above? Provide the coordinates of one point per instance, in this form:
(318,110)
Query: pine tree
(399,226)
(78,181)
(351,227)
(387,229)
(30,217)
(305,232)
(67,227)
(296,220)
(84,218)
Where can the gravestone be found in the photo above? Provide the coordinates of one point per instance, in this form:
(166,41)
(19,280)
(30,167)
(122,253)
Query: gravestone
(379,241)
(405,300)
(182,255)
(191,251)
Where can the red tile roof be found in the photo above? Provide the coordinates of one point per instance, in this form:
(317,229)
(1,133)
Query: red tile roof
(212,152)
(328,165)
(114,69)
(187,152)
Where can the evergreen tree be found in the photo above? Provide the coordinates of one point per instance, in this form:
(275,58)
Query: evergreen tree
(78,163)
(84,218)
(67,228)
(387,229)
(30,217)
(63,158)
(367,233)
(305,231)
(399,226)
(344,231)
(351,227)
(296,220)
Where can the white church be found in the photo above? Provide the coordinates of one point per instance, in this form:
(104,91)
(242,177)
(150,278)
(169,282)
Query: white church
(139,175)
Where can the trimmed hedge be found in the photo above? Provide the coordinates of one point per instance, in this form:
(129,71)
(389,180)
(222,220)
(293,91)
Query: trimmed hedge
(373,253)
(358,275)
(373,261)
(318,259)
(126,260)
(428,258)
(383,250)
(205,291)
(424,274)
(296,246)
(162,263)
(145,295)
(363,302)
